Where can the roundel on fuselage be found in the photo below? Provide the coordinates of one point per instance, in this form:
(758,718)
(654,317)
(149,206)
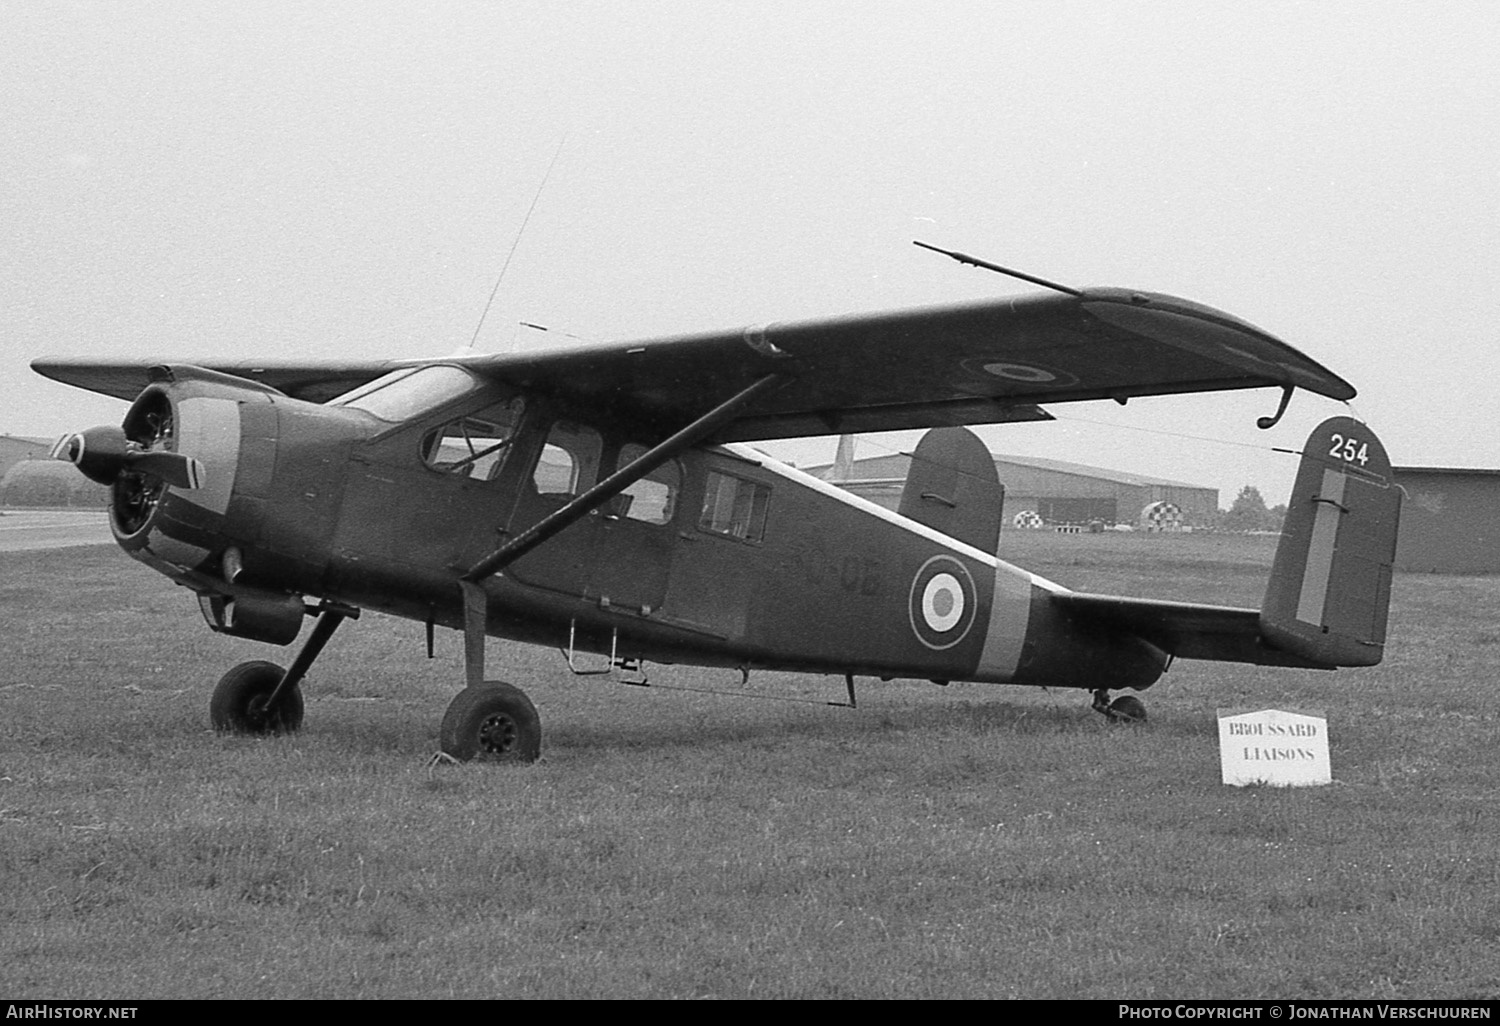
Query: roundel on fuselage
(942,602)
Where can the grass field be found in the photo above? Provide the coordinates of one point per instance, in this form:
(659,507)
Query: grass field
(973,841)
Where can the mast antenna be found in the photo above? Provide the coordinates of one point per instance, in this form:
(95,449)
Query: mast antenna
(519,232)
(964,258)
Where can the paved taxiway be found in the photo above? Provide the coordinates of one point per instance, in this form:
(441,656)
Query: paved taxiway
(21,530)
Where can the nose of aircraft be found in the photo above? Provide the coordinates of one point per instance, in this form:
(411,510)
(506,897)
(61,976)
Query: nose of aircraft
(173,454)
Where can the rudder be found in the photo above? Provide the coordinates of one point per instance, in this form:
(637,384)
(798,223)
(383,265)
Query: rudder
(1330,586)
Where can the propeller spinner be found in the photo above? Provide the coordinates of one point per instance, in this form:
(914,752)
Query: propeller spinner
(104,453)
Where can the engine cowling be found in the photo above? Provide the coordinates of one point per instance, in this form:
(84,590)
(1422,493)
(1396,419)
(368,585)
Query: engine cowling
(171,467)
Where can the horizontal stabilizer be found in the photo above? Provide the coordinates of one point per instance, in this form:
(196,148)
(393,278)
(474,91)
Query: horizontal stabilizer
(1330,587)
(1185,630)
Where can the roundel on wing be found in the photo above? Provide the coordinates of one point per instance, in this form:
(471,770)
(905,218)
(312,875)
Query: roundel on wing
(1016,373)
(942,603)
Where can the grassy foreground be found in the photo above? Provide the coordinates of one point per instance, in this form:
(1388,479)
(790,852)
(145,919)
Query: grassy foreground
(974,841)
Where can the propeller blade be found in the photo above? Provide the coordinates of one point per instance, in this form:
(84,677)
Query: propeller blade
(67,448)
(172,467)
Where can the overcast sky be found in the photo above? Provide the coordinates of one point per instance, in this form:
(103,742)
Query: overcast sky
(285,179)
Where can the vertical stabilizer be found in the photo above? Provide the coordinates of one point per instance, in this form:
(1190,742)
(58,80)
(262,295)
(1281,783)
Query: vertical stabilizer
(1330,584)
(843,460)
(953,487)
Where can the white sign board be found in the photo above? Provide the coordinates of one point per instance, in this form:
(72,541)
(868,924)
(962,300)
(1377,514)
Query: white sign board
(1273,746)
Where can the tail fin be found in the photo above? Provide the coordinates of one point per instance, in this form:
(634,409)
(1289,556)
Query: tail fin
(1330,586)
(952,487)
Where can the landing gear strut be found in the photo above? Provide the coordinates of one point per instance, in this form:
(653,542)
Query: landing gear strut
(1125,709)
(259,698)
(489,719)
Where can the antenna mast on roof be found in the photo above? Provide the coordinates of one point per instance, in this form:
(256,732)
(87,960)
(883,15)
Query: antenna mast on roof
(964,258)
(519,232)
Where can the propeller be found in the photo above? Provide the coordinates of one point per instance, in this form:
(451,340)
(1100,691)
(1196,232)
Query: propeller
(104,453)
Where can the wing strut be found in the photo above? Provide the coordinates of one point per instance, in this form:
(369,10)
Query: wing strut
(475,605)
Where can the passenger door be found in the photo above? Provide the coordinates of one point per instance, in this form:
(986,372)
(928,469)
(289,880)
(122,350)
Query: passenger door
(633,547)
(567,466)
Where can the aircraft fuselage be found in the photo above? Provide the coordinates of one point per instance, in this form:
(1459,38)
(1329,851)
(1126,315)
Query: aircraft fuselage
(721,556)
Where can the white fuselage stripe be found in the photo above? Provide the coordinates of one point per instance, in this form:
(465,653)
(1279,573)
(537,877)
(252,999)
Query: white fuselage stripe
(881,513)
(1010,606)
(1010,617)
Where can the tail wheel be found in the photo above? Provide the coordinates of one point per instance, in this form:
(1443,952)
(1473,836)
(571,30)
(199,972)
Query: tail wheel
(241,701)
(493,722)
(1127,709)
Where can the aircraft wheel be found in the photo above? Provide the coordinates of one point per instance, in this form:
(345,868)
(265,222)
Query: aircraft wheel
(1127,709)
(239,705)
(493,722)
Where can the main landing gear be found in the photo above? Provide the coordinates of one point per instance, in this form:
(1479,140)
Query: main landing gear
(493,722)
(490,721)
(1125,709)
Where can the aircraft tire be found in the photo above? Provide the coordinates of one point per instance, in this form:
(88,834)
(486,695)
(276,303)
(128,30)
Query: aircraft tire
(492,722)
(238,705)
(1127,709)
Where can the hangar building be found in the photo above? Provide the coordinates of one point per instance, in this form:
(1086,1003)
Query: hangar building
(1060,492)
(14,449)
(50,483)
(1450,521)
(29,478)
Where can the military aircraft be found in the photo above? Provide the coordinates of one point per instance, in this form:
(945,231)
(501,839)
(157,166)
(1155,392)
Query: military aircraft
(598,498)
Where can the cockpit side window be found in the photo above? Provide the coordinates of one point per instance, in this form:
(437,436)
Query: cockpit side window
(652,499)
(474,445)
(569,464)
(401,395)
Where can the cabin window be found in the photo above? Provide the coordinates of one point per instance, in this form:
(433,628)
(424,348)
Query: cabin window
(735,507)
(403,394)
(569,463)
(473,446)
(652,499)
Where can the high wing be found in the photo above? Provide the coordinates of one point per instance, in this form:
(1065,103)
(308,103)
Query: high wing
(979,363)
(316,381)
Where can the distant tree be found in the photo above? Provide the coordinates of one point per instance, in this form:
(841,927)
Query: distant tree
(1248,512)
(1248,501)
